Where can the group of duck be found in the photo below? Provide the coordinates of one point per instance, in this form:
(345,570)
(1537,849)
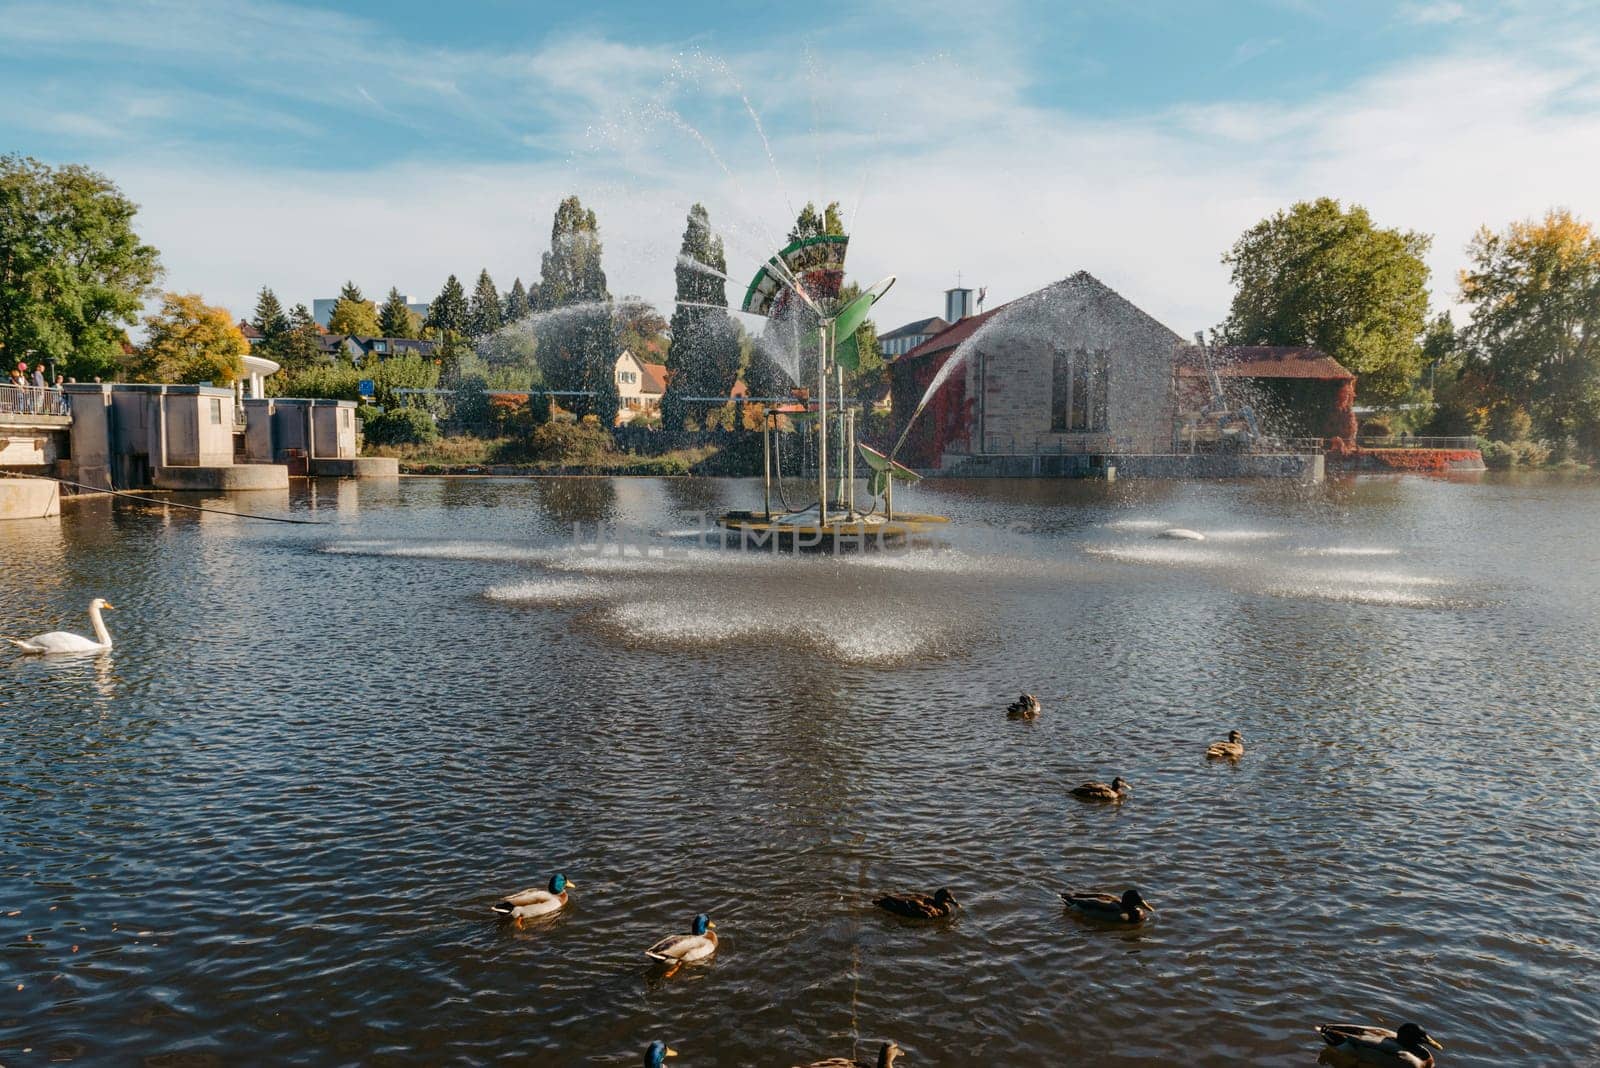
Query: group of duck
(1407,1047)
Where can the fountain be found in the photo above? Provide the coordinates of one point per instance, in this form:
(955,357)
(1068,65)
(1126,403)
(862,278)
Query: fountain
(808,273)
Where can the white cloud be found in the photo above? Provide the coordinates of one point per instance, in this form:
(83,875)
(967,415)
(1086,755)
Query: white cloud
(1439,13)
(954,168)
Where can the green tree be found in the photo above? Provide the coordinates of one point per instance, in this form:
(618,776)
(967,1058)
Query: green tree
(517,305)
(578,348)
(641,329)
(73,273)
(1324,276)
(395,319)
(351,292)
(299,347)
(483,317)
(1534,289)
(812,223)
(357,317)
(703,358)
(189,341)
(449,312)
(269,318)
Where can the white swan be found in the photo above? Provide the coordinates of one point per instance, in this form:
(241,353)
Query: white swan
(62,641)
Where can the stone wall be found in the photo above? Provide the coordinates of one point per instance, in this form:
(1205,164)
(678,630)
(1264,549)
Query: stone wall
(1010,371)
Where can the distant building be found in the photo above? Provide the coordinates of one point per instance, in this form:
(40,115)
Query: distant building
(356,348)
(1077,368)
(252,336)
(639,386)
(903,339)
(322,308)
(1300,391)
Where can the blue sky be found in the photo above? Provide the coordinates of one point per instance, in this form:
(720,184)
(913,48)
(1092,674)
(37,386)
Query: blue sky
(297,144)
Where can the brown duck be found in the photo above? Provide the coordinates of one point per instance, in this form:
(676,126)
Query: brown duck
(1114,791)
(885,1059)
(1232,749)
(935,906)
(1024,707)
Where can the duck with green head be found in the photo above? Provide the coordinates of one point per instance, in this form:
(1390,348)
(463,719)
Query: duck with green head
(534,903)
(1129,907)
(1360,1044)
(656,1053)
(680,949)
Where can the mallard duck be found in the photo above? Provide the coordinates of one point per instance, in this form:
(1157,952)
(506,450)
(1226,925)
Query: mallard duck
(885,1059)
(657,1052)
(935,906)
(1024,707)
(64,641)
(528,904)
(1232,749)
(1131,907)
(680,949)
(1099,791)
(1405,1048)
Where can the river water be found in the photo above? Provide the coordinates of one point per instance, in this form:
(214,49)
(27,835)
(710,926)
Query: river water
(267,827)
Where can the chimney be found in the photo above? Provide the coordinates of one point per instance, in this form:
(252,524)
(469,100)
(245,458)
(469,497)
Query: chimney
(957,304)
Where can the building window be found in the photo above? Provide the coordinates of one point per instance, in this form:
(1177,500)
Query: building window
(1078,392)
(216,411)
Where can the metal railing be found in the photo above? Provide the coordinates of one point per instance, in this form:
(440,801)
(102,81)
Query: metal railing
(1411,441)
(30,400)
(1053,444)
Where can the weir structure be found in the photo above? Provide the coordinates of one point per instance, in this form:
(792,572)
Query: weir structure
(806,277)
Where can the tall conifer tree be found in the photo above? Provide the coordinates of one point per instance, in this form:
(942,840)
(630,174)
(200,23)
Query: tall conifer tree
(394,318)
(703,359)
(269,318)
(483,318)
(449,312)
(516,306)
(578,349)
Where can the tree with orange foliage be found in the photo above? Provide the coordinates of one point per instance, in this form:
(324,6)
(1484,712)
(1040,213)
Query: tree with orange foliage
(189,341)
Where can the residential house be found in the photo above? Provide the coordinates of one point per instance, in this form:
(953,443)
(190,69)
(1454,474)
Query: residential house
(639,386)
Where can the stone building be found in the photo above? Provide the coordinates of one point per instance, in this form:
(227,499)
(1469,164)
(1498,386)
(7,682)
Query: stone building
(1073,368)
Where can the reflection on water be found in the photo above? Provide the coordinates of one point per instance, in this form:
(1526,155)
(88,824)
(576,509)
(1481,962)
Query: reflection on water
(266,828)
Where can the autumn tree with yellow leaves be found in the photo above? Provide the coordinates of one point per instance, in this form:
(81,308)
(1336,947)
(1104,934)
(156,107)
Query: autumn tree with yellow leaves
(189,341)
(1534,335)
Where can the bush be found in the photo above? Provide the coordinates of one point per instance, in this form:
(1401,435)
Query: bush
(402,426)
(1377,427)
(560,441)
(1502,455)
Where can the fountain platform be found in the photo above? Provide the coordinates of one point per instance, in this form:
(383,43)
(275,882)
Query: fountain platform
(802,530)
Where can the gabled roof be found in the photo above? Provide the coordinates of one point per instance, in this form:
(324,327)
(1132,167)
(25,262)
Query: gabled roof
(921,326)
(654,379)
(1264,361)
(1078,282)
(952,336)
(250,332)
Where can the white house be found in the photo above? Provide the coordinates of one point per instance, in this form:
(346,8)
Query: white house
(639,386)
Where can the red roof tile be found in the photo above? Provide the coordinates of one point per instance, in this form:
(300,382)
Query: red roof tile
(952,336)
(654,379)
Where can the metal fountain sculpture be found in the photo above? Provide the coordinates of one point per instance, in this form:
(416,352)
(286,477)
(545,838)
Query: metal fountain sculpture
(809,272)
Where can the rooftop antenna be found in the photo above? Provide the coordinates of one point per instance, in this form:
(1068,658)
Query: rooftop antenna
(983,292)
